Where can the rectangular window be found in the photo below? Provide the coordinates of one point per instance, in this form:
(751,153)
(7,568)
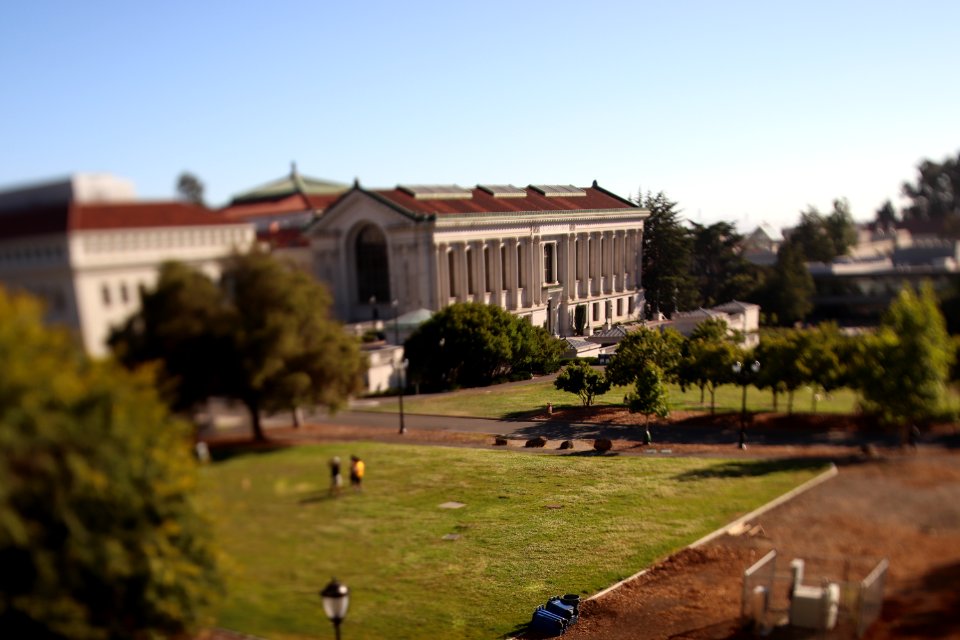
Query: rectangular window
(124,295)
(471,285)
(452,273)
(105,294)
(520,279)
(487,270)
(578,252)
(630,306)
(549,263)
(619,306)
(596,311)
(503,267)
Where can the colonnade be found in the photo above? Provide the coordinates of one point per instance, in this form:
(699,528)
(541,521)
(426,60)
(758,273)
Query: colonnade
(511,271)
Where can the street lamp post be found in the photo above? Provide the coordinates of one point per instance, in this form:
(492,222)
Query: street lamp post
(744,374)
(402,366)
(336,601)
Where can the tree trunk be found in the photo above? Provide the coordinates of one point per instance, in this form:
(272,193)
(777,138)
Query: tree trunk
(790,402)
(702,397)
(776,398)
(297,417)
(254,408)
(713,394)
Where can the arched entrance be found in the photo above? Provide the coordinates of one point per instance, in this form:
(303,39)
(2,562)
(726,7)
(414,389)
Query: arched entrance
(372,265)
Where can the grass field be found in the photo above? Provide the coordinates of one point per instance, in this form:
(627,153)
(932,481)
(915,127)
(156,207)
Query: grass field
(503,401)
(534,525)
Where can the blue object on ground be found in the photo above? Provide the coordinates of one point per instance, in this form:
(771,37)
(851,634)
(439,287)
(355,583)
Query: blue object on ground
(547,623)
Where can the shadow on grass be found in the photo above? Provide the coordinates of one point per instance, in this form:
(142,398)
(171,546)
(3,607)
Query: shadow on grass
(751,468)
(221,451)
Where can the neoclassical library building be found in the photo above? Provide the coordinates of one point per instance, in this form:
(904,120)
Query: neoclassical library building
(538,251)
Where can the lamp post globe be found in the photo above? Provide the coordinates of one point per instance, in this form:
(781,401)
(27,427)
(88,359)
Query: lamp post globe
(336,601)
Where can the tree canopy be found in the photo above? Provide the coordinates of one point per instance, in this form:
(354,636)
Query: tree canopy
(936,193)
(720,273)
(645,346)
(263,335)
(99,533)
(580,378)
(470,344)
(904,367)
(666,261)
(190,188)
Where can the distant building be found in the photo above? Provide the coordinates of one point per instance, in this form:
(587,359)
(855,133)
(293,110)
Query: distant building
(85,245)
(538,251)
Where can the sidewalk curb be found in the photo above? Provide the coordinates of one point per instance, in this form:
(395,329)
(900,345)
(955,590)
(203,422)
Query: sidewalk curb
(831,472)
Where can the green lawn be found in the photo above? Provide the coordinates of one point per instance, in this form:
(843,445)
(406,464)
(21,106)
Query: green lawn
(534,525)
(503,401)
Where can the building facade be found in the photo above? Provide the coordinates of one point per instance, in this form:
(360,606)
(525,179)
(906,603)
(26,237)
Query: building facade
(539,252)
(86,246)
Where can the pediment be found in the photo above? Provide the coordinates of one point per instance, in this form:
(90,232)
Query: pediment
(355,208)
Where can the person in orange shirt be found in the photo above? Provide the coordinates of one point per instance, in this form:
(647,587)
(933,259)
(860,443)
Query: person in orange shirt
(357,468)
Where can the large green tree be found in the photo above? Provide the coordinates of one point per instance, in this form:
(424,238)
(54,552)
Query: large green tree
(822,238)
(644,346)
(100,536)
(667,280)
(263,336)
(936,193)
(904,367)
(720,273)
(790,287)
(471,344)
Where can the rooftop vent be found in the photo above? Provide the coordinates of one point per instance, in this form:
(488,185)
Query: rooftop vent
(436,191)
(504,190)
(558,190)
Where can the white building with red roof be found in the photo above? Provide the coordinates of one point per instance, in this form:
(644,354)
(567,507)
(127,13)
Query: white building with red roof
(538,251)
(86,245)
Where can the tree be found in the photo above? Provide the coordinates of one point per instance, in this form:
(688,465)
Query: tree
(905,366)
(645,346)
(190,188)
(841,229)
(720,273)
(706,356)
(936,193)
(472,344)
(822,239)
(649,397)
(886,214)
(711,361)
(100,536)
(791,286)
(666,256)
(264,337)
(580,378)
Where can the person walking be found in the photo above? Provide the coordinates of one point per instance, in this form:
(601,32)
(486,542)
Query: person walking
(336,480)
(357,469)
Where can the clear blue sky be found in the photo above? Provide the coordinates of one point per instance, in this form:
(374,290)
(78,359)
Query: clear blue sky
(740,111)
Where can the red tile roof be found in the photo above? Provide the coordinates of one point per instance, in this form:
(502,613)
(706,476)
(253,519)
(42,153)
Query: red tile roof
(289,204)
(595,198)
(129,215)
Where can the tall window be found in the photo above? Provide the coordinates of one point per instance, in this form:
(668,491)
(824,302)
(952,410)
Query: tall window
(520,280)
(105,294)
(503,267)
(549,263)
(452,272)
(471,285)
(578,252)
(373,272)
(487,270)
